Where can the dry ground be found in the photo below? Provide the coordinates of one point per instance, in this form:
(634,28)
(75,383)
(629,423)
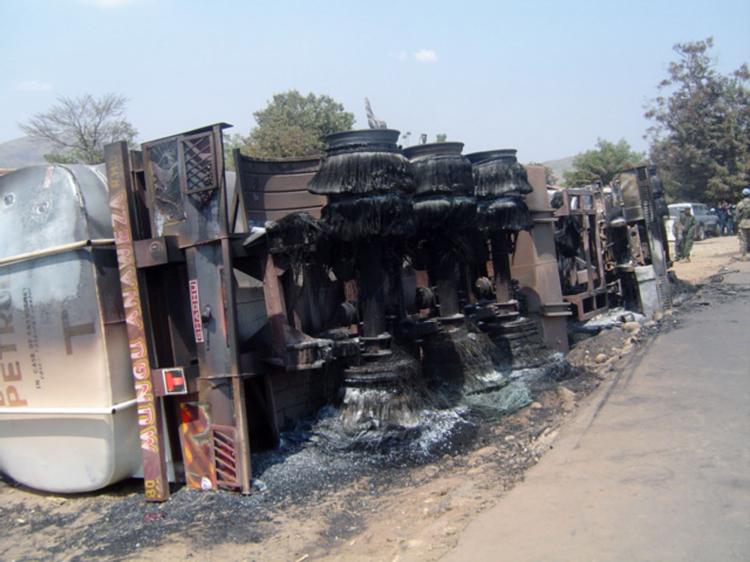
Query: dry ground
(708,256)
(403,513)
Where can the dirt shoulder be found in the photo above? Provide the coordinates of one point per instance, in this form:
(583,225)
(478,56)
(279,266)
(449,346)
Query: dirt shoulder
(708,257)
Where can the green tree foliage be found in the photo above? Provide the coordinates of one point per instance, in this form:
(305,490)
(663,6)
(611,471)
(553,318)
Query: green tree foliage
(700,138)
(295,125)
(441,137)
(79,128)
(232,141)
(601,164)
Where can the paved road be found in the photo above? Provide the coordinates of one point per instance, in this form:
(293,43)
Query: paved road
(655,468)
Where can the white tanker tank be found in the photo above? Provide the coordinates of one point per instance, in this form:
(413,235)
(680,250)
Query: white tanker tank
(67,405)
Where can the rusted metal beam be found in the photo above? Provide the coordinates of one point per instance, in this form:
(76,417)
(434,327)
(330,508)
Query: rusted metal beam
(150,424)
(275,307)
(242,437)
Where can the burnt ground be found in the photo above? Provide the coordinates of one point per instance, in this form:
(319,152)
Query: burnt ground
(309,504)
(296,484)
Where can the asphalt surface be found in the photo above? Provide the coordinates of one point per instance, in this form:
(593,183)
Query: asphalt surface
(656,467)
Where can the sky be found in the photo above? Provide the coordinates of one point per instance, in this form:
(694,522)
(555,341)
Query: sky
(545,77)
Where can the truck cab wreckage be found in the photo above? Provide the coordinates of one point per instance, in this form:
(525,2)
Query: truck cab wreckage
(163,317)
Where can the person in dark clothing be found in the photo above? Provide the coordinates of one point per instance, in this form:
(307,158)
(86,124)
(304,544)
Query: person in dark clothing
(684,233)
(721,213)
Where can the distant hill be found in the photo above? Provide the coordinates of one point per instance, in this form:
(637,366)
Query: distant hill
(559,166)
(23,151)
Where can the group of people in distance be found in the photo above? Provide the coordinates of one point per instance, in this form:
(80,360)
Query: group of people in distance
(685,227)
(725,212)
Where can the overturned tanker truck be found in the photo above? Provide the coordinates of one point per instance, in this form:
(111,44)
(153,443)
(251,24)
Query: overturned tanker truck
(161,317)
(612,246)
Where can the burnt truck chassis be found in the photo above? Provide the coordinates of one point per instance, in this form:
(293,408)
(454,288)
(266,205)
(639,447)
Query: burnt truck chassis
(586,284)
(169,215)
(620,256)
(192,252)
(195,255)
(638,240)
(181,267)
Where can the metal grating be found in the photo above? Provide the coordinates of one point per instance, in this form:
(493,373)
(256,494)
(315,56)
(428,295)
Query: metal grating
(200,175)
(225,456)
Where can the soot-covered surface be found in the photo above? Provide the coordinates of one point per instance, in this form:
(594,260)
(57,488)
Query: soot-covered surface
(308,468)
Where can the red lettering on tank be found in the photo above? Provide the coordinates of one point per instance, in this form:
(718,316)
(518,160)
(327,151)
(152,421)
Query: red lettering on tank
(6,322)
(10,374)
(14,399)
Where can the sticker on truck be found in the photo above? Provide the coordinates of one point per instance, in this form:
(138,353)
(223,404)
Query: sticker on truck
(195,309)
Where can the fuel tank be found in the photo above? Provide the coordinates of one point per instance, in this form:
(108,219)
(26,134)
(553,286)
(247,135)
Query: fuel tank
(68,419)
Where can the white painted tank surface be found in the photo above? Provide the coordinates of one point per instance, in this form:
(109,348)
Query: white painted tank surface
(67,405)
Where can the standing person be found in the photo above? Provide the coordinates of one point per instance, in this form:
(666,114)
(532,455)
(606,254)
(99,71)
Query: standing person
(742,218)
(727,217)
(721,212)
(677,231)
(731,209)
(688,227)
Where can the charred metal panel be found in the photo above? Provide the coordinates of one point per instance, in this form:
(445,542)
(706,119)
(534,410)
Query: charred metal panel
(299,296)
(186,187)
(151,252)
(583,272)
(646,232)
(185,184)
(166,202)
(632,196)
(272,189)
(535,265)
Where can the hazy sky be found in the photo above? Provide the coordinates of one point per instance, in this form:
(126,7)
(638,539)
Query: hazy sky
(545,77)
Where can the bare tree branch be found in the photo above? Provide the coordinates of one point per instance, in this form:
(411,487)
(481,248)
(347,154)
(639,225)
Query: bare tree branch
(79,128)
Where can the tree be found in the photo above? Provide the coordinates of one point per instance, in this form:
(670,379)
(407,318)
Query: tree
(78,128)
(700,138)
(295,125)
(601,164)
(232,141)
